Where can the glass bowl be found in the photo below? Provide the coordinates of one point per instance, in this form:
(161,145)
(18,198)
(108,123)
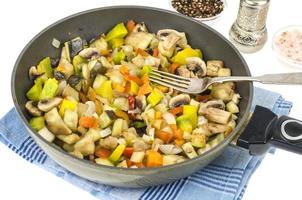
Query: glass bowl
(208,20)
(276,48)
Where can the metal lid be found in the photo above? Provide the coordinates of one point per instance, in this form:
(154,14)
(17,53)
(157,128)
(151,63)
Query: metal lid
(252,14)
(257,3)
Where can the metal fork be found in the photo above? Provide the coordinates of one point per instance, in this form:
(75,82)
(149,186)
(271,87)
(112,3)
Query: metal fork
(196,85)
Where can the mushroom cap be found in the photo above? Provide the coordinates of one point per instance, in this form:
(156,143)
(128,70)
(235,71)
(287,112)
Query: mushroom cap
(197,66)
(182,40)
(32,109)
(55,123)
(179,100)
(89,52)
(48,104)
(140,27)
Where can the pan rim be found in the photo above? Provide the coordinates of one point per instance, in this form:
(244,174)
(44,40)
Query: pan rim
(134,171)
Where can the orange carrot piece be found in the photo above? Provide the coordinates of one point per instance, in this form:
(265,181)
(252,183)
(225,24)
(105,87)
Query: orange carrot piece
(155,52)
(88,122)
(133,78)
(130,25)
(154,159)
(104,52)
(142,52)
(179,142)
(144,89)
(145,78)
(102,153)
(118,87)
(173,67)
(177,110)
(164,136)
(158,115)
(124,69)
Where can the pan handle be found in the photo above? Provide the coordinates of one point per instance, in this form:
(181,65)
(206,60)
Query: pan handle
(266,129)
(287,134)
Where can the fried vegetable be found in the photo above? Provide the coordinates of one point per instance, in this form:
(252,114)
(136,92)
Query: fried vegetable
(55,123)
(154,159)
(137,156)
(46,134)
(34,92)
(119,31)
(117,127)
(181,56)
(154,98)
(189,150)
(105,90)
(49,89)
(103,161)
(116,154)
(45,67)
(37,123)
(67,104)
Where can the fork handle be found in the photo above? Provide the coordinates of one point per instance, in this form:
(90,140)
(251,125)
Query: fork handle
(285,78)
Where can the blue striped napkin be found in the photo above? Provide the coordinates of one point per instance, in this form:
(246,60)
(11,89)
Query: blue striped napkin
(225,178)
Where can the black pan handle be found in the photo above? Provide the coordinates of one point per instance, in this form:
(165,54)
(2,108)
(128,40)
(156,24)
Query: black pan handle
(266,129)
(287,134)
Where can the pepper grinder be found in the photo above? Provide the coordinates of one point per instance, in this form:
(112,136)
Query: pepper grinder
(248,33)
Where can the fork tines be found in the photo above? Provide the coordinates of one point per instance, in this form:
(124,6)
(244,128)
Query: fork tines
(169,80)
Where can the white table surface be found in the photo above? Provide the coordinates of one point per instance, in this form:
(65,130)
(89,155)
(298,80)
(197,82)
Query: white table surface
(279,175)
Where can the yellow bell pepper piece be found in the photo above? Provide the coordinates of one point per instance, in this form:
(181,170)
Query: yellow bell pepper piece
(105,90)
(116,42)
(181,56)
(67,104)
(191,112)
(133,88)
(154,98)
(116,154)
(119,31)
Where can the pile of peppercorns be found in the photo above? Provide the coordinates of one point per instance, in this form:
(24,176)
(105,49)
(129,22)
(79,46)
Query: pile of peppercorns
(198,8)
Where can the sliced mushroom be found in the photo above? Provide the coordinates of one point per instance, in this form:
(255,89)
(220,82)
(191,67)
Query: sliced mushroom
(48,104)
(61,88)
(182,40)
(197,66)
(90,109)
(140,102)
(170,149)
(183,71)
(33,73)
(179,100)
(213,103)
(218,115)
(141,27)
(89,53)
(31,107)
(139,40)
(55,123)
(46,134)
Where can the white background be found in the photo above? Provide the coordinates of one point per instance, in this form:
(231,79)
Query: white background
(278,177)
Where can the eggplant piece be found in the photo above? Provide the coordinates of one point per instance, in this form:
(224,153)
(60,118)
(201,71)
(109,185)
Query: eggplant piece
(55,123)
(76,45)
(218,115)
(75,81)
(109,142)
(139,40)
(85,145)
(140,126)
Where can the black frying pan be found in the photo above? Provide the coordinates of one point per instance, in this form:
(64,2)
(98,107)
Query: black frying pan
(91,23)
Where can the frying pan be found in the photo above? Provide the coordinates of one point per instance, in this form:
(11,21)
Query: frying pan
(89,24)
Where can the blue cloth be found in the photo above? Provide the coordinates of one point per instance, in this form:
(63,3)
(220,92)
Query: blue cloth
(225,178)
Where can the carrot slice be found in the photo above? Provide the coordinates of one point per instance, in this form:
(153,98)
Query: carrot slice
(124,69)
(133,78)
(130,25)
(155,52)
(173,67)
(144,89)
(88,122)
(164,136)
(154,159)
(177,110)
(142,52)
(102,153)
(145,78)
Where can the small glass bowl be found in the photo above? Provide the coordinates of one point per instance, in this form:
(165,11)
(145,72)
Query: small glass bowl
(208,20)
(276,49)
